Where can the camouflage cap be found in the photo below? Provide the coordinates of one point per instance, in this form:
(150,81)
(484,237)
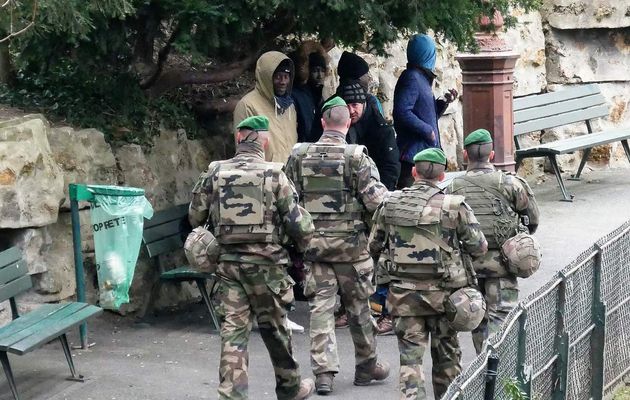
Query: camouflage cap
(433,155)
(255,123)
(480,136)
(334,102)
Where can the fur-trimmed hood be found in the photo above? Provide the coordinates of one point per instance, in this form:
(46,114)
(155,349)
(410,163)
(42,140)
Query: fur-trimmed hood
(300,60)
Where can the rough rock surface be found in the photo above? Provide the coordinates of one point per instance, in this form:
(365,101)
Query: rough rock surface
(588,56)
(31,182)
(84,156)
(587,14)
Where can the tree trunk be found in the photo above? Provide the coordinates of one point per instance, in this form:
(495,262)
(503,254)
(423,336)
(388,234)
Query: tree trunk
(6,71)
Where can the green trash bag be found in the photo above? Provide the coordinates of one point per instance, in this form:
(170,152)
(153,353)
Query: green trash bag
(117,223)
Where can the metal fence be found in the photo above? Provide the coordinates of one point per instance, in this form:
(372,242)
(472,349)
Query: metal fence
(568,340)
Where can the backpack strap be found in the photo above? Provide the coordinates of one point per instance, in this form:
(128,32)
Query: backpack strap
(489,189)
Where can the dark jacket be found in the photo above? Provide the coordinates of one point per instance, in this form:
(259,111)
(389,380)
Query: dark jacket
(379,138)
(416,113)
(306,106)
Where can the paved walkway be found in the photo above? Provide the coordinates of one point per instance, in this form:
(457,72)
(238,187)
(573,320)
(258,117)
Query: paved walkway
(175,356)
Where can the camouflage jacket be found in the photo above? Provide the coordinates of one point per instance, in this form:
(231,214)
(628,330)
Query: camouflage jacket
(349,246)
(294,224)
(521,199)
(425,233)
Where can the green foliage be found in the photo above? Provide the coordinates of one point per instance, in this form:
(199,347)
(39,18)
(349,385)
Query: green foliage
(95,62)
(109,101)
(623,393)
(513,390)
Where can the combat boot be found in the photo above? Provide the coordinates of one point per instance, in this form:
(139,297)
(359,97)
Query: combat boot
(370,371)
(306,389)
(324,383)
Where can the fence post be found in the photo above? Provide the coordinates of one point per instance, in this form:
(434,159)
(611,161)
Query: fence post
(524,372)
(598,337)
(562,343)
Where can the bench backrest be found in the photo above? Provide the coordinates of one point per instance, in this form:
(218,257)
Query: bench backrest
(549,110)
(14,277)
(166,231)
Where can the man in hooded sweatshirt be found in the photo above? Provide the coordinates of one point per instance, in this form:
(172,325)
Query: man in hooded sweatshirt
(272,98)
(416,110)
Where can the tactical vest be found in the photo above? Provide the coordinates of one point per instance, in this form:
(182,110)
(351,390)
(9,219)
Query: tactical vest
(423,243)
(246,211)
(484,194)
(328,187)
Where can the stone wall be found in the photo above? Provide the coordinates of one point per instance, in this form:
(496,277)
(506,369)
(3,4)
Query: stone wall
(37,162)
(568,42)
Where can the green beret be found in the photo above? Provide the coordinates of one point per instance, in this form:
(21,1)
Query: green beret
(334,102)
(433,155)
(255,123)
(480,136)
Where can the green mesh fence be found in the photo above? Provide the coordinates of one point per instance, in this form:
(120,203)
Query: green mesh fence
(571,338)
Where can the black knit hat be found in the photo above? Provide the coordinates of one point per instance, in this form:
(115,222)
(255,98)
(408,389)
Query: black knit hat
(352,92)
(285,65)
(315,59)
(351,66)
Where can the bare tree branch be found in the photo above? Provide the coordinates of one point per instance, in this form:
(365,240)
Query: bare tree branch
(27,27)
(177,77)
(162,57)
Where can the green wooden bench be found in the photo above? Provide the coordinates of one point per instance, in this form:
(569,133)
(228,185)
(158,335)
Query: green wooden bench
(166,232)
(31,331)
(550,110)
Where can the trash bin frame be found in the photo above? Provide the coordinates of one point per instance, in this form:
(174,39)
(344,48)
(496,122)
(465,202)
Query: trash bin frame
(82,192)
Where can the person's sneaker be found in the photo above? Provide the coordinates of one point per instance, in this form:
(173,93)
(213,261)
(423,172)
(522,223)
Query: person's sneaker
(341,321)
(307,386)
(370,371)
(385,325)
(324,383)
(293,327)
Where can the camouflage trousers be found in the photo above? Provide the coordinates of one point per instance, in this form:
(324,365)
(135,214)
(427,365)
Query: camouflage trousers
(354,282)
(501,296)
(413,337)
(264,292)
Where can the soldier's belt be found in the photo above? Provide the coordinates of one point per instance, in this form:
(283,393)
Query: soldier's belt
(429,284)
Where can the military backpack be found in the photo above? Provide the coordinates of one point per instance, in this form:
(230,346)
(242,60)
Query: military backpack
(246,211)
(328,187)
(484,194)
(418,247)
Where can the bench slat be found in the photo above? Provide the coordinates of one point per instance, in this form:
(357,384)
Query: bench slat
(7,341)
(577,143)
(165,245)
(559,120)
(185,273)
(158,232)
(10,256)
(534,113)
(539,100)
(13,271)
(173,213)
(29,319)
(15,287)
(53,327)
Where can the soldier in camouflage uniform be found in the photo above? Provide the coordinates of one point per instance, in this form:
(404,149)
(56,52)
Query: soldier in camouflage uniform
(339,185)
(426,233)
(504,204)
(251,207)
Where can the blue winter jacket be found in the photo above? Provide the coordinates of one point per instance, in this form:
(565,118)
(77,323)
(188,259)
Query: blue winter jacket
(416,113)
